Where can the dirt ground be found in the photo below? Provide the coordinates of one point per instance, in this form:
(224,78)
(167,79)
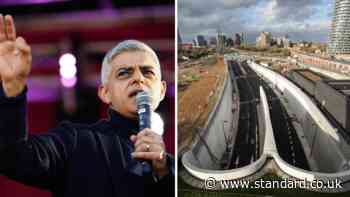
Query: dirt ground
(199,85)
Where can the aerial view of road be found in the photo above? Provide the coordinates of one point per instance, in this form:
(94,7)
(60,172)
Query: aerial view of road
(246,147)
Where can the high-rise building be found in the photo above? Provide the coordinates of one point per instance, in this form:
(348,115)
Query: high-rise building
(201,41)
(213,41)
(243,38)
(229,42)
(283,41)
(264,40)
(179,39)
(238,40)
(340,34)
(221,38)
(195,44)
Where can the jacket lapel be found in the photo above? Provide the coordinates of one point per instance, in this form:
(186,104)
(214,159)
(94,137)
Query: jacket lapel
(113,154)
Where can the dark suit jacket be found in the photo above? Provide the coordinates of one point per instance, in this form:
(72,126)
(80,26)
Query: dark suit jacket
(74,160)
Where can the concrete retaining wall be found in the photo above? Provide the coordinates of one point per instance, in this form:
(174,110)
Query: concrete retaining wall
(188,159)
(335,102)
(213,145)
(284,84)
(303,82)
(328,147)
(328,142)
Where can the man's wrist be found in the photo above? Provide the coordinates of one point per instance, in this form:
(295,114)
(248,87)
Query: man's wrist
(168,168)
(162,172)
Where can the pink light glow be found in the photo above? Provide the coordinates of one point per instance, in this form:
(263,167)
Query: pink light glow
(67,59)
(68,83)
(68,71)
(24,2)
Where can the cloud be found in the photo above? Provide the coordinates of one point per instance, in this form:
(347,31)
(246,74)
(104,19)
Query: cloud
(198,8)
(294,17)
(297,10)
(196,17)
(229,4)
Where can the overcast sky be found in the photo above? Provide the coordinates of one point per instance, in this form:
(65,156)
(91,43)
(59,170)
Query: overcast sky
(301,19)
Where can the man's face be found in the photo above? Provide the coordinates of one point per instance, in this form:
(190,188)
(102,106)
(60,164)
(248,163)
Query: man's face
(132,72)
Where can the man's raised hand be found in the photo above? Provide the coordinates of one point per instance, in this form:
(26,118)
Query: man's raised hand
(15,58)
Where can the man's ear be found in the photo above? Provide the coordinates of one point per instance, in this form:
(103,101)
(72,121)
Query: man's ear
(104,95)
(163,90)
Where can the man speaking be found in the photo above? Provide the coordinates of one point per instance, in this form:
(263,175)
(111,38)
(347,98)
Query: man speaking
(109,158)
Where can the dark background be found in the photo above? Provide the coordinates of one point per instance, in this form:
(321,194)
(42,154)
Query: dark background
(87,29)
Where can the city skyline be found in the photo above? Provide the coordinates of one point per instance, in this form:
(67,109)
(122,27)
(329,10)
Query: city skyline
(308,20)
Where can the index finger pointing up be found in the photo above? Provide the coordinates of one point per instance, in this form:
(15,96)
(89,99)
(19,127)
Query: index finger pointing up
(2,29)
(10,28)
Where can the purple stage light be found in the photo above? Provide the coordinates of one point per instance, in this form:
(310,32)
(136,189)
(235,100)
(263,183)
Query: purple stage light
(28,2)
(68,68)
(68,83)
(67,59)
(68,71)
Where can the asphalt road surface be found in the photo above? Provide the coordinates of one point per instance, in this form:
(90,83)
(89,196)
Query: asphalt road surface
(246,148)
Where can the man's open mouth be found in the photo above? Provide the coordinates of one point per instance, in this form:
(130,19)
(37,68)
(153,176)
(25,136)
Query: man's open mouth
(134,92)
